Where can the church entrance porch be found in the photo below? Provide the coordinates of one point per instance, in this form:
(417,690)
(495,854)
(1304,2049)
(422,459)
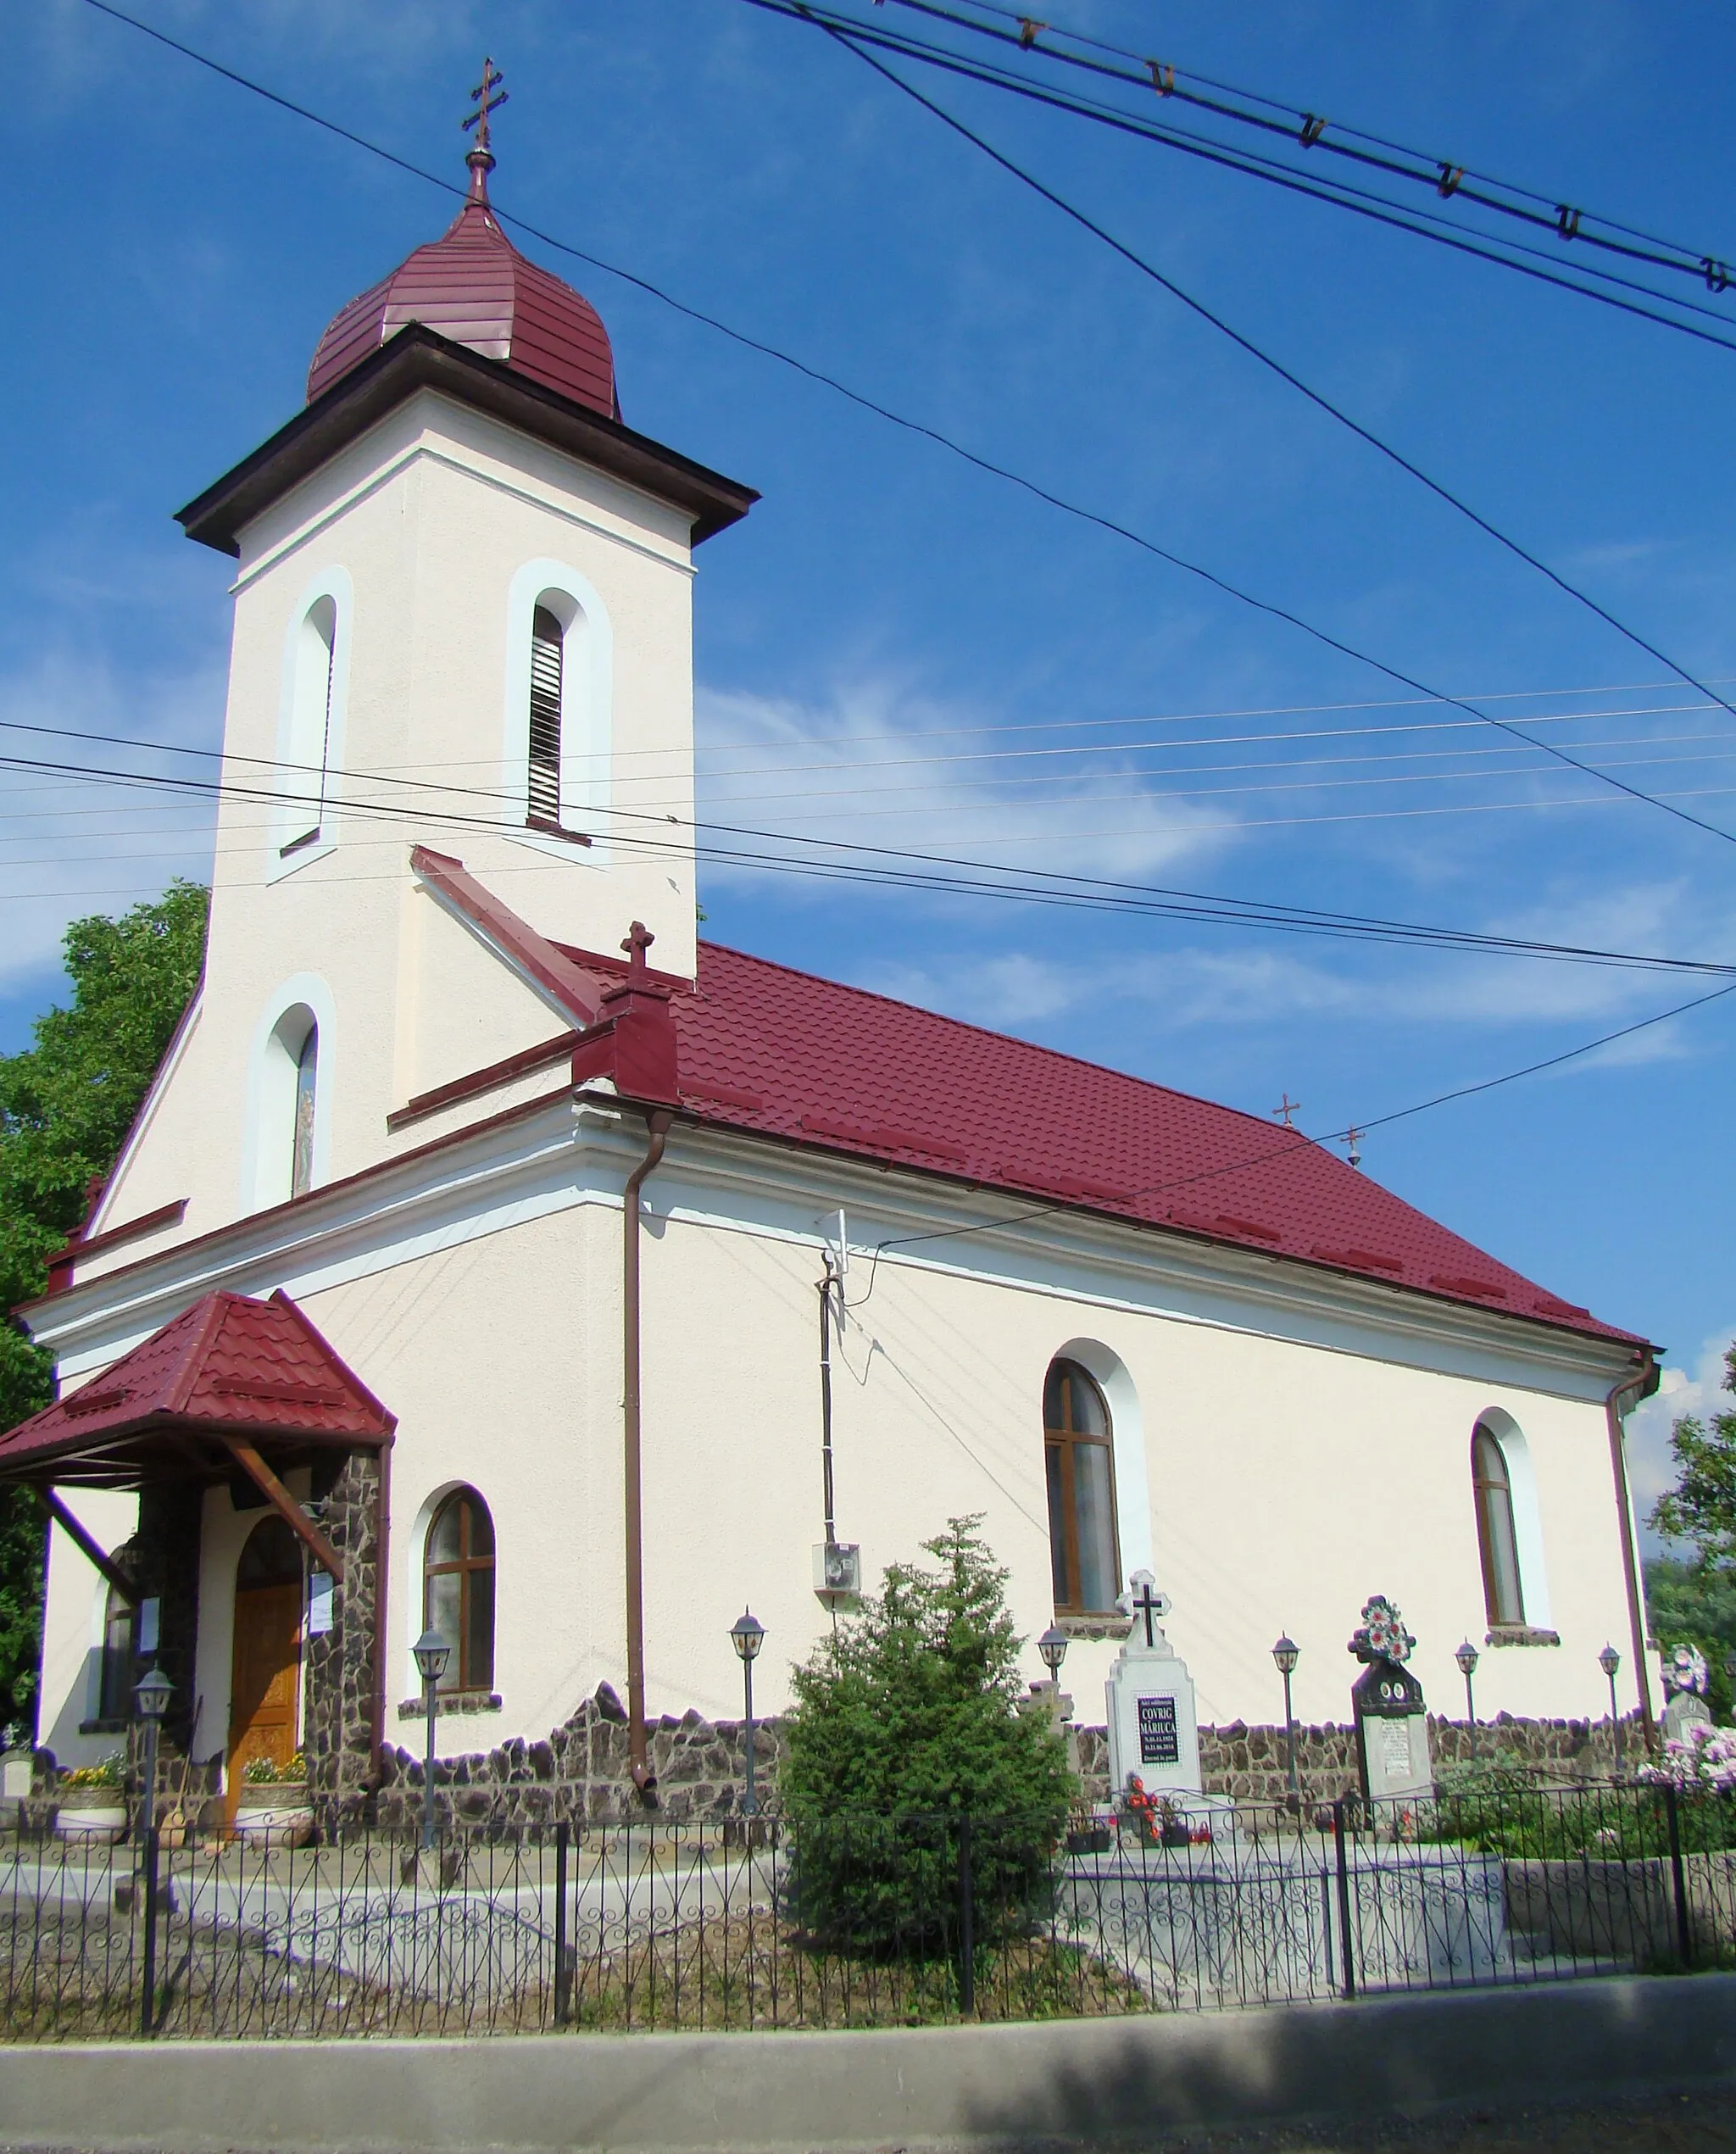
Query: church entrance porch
(239,1395)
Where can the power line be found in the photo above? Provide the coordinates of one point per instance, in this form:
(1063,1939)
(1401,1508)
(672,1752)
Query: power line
(1445,177)
(917,427)
(802,9)
(1361,1126)
(1505,251)
(908,868)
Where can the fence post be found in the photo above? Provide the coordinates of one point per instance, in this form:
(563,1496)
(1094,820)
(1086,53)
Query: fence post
(563,1977)
(967,1925)
(147,1999)
(1346,1954)
(1684,1935)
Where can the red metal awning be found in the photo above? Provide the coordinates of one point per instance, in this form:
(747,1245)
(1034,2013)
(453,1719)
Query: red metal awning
(230,1375)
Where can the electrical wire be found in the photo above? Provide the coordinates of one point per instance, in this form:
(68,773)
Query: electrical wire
(1445,177)
(908,868)
(917,427)
(1352,1129)
(803,9)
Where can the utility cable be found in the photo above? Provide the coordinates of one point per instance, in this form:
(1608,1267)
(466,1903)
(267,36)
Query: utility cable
(1266,358)
(1358,1129)
(1494,247)
(1446,177)
(906,867)
(917,428)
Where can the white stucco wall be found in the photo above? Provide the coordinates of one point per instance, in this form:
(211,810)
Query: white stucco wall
(1306,1442)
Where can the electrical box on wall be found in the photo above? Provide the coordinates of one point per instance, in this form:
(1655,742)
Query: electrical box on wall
(838,1569)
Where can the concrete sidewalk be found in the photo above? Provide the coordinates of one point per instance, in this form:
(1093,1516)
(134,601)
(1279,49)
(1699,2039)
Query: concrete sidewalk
(1071,2084)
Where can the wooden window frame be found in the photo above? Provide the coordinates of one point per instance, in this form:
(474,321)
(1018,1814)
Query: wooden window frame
(1483,1492)
(463,1566)
(1064,1440)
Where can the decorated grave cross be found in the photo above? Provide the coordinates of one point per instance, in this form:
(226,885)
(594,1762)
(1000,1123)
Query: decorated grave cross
(1382,1636)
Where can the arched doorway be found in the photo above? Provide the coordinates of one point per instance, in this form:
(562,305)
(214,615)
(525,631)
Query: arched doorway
(265,1682)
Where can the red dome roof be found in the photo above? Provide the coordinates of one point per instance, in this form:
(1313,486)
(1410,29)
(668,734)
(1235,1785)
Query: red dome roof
(474,287)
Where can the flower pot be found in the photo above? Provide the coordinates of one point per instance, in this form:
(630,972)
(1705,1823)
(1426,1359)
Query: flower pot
(274,1813)
(1089,1839)
(1176,1835)
(92,1814)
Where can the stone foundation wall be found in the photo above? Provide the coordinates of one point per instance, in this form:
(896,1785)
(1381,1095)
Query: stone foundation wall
(580,1771)
(338,1719)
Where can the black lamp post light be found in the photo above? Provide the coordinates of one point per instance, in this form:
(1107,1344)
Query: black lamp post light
(150,1693)
(1466,1658)
(1609,1660)
(1053,1646)
(1286,1653)
(747,1635)
(432,1653)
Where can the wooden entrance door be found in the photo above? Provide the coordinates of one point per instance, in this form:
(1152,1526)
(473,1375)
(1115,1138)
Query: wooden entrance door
(264,1686)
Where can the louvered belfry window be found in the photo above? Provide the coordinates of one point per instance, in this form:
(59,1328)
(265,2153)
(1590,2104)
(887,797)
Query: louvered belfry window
(544,805)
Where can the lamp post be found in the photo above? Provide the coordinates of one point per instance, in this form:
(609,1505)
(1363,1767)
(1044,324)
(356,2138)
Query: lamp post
(1466,1658)
(1053,1646)
(1609,1660)
(151,1694)
(747,1635)
(432,1653)
(1286,1653)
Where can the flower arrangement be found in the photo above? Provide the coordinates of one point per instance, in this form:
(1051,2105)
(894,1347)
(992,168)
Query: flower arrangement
(267,1772)
(1702,1763)
(109,1771)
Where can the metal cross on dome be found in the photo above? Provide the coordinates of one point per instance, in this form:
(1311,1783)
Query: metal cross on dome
(1144,1602)
(483,98)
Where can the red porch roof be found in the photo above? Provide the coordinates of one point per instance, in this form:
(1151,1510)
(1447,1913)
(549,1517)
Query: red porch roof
(229,1365)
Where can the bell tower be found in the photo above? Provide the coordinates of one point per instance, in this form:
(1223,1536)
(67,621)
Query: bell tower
(463,622)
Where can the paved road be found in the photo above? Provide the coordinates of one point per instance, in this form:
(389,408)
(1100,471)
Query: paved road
(1700,2124)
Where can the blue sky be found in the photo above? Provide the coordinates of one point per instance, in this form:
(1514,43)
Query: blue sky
(891,632)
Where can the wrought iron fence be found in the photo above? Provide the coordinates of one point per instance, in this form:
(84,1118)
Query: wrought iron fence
(779,1922)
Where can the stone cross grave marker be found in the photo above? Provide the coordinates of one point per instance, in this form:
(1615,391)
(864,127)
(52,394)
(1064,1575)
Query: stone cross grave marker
(1153,1728)
(1391,1719)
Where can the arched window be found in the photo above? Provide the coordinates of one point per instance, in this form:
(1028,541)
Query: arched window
(548,657)
(301,1149)
(119,1630)
(310,725)
(1492,1487)
(1081,1492)
(458,1588)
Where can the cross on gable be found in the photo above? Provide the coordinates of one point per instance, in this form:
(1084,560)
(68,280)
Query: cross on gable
(1287,1111)
(638,941)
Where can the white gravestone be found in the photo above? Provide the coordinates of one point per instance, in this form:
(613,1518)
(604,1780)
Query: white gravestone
(1391,1719)
(1154,1727)
(1686,1680)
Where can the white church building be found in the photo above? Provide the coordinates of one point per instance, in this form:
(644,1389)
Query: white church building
(473,1257)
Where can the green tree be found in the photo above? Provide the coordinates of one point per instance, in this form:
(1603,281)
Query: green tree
(1695,1602)
(66,1103)
(1701,1508)
(906,1720)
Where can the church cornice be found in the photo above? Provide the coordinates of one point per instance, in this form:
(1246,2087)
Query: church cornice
(418,358)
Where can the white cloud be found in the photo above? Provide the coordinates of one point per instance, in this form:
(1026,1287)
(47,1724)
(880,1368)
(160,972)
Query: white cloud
(1698,1389)
(882,766)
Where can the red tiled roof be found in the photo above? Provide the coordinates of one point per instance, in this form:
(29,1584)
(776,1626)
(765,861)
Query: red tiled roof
(257,1368)
(763,1048)
(473,285)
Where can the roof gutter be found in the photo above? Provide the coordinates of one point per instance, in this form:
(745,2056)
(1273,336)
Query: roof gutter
(657,1125)
(1622,1399)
